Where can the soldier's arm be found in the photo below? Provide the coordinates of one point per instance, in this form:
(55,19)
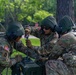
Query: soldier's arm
(20,47)
(58,49)
(63,45)
(31,53)
(70,59)
(44,49)
(48,46)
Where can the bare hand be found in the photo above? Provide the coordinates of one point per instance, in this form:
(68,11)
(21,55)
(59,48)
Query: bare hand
(28,43)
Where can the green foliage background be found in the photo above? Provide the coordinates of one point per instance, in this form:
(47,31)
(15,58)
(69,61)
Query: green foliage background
(28,11)
(22,9)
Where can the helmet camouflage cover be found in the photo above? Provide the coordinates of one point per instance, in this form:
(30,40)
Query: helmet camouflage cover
(49,21)
(15,28)
(66,24)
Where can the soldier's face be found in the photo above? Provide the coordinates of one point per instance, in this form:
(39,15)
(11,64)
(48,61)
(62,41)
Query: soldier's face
(47,31)
(17,39)
(27,32)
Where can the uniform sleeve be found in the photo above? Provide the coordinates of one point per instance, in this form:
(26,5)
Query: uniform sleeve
(56,52)
(58,49)
(45,49)
(70,59)
(20,47)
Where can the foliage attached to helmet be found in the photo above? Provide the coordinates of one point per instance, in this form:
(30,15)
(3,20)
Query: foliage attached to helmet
(14,30)
(50,22)
(66,24)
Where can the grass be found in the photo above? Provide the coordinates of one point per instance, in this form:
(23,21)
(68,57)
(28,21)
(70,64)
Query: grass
(35,42)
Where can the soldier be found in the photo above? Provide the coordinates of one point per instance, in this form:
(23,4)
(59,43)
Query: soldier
(64,49)
(47,35)
(27,31)
(7,43)
(48,38)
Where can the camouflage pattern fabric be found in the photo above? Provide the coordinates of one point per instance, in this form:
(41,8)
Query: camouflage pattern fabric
(66,49)
(37,52)
(47,43)
(7,40)
(20,47)
(6,49)
(56,67)
(4,53)
(70,60)
(5,44)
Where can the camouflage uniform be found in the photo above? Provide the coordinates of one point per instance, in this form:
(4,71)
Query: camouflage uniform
(47,41)
(63,54)
(6,46)
(20,47)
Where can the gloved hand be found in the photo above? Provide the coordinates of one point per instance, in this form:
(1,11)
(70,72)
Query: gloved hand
(18,58)
(28,43)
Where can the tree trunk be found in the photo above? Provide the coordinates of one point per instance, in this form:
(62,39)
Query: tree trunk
(65,7)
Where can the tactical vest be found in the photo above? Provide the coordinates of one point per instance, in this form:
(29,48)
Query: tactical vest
(4,50)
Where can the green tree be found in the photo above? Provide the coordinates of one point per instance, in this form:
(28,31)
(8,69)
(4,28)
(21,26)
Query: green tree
(40,15)
(22,9)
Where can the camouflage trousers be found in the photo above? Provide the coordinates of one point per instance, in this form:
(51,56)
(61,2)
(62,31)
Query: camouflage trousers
(57,67)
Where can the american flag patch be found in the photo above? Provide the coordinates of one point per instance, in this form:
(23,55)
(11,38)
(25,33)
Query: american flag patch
(6,47)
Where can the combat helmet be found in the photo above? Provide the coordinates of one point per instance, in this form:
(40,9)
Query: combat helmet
(49,21)
(66,24)
(14,30)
